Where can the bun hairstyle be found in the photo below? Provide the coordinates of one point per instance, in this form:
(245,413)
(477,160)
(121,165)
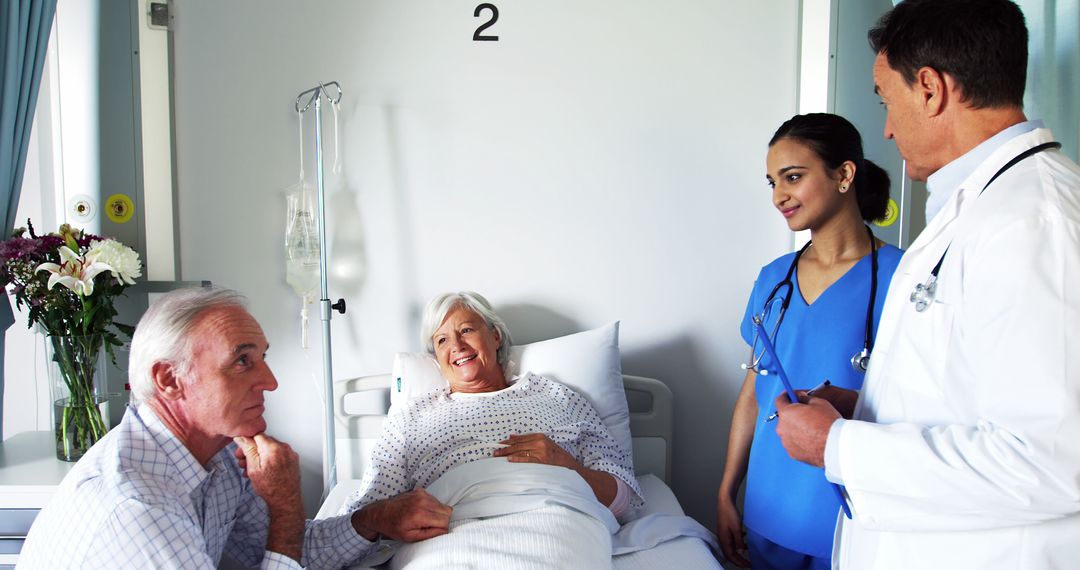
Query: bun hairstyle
(835,140)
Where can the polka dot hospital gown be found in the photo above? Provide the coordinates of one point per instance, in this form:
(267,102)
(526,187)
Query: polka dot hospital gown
(440,430)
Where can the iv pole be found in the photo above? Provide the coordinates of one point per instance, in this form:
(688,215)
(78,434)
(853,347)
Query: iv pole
(330,458)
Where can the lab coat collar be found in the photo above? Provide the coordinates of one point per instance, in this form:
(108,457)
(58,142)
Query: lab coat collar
(944,183)
(968,191)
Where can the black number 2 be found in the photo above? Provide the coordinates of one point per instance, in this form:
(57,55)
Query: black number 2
(477,36)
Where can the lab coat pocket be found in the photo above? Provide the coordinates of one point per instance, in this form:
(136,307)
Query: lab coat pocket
(928,340)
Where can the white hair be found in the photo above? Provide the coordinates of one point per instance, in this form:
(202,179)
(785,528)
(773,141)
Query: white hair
(163,334)
(441,305)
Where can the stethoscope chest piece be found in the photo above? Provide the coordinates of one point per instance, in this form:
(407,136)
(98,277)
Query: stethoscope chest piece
(861,361)
(923,294)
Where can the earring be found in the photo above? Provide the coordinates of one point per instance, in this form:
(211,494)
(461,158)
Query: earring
(843,188)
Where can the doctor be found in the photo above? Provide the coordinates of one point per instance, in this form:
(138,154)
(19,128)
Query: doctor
(964,449)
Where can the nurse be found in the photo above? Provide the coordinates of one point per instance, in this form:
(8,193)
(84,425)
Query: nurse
(820,307)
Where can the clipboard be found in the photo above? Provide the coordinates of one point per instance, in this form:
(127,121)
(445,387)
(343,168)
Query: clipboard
(763,335)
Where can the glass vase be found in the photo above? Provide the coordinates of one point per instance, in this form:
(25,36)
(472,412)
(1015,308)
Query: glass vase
(76,376)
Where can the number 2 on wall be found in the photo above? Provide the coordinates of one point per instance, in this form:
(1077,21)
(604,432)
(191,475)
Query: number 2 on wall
(477,35)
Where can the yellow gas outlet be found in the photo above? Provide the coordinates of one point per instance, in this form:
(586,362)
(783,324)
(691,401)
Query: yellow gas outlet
(892,212)
(119,208)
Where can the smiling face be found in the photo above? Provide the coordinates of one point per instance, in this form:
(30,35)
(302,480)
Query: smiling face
(905,121)
(466,349)
(223,396)
(805,191)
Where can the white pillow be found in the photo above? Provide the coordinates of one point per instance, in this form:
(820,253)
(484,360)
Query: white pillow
(414,373)
(588,361)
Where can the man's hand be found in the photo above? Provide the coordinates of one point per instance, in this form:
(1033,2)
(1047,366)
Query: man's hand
(408,517)
(274,470)
(803,428)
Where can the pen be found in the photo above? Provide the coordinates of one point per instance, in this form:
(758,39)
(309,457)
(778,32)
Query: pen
(809,392)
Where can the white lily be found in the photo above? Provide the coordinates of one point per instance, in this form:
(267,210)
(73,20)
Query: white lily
(74,272)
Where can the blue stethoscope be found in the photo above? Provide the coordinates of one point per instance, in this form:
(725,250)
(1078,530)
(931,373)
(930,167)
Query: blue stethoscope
(925,292)
(861,360)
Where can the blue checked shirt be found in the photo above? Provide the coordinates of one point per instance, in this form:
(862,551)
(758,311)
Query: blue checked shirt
(139,499)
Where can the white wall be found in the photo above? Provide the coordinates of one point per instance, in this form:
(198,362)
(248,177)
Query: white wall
(603,160)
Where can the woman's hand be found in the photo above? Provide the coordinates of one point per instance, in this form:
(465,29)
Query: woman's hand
(729,529)
(841,398)
(536,448)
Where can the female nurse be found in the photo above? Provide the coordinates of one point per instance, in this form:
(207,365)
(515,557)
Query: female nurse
(820,308)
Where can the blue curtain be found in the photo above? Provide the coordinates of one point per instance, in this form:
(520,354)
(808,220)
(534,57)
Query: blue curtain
(24,37)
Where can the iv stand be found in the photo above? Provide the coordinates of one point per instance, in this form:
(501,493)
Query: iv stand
(314,97)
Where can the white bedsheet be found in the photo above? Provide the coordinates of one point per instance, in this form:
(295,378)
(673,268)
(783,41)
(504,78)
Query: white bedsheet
(549,537)
(687,552)
(557,503)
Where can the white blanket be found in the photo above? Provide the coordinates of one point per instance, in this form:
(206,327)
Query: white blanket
(514,516)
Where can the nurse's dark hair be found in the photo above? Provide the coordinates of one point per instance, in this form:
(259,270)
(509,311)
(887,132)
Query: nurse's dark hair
(835,140)
(982,44)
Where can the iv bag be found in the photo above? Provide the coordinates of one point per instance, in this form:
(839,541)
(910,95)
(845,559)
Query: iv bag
(301,241)
(349,267)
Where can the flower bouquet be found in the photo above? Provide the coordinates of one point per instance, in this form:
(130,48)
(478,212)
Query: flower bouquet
(68,281)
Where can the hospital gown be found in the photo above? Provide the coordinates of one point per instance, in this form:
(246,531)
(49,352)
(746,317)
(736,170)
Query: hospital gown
(440,430)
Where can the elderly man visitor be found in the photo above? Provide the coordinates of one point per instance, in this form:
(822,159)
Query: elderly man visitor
(169,488)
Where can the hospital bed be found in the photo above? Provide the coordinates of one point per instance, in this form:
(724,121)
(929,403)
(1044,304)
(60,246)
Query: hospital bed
(361,405)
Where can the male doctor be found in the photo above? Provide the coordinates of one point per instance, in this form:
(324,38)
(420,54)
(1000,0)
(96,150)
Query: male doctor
(964,450)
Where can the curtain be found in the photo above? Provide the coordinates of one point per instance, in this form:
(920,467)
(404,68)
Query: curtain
(24,37)
(1053,81)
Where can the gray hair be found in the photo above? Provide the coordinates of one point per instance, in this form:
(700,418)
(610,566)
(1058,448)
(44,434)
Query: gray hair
(441,305)
(163,334)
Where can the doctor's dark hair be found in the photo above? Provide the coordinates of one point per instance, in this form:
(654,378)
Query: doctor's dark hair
(835,140)
(982,44)
(437,309)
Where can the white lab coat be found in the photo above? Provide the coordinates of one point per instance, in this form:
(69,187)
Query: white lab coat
(969,455)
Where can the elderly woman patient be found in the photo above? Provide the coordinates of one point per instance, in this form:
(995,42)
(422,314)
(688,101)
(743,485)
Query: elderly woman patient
(493,469)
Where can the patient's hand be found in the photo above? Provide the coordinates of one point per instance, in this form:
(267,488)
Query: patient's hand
(536,448)
(408,517)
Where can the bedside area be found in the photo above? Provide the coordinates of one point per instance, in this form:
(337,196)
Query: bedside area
(29,475)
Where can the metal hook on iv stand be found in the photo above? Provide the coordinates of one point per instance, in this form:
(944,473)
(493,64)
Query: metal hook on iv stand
(330,459)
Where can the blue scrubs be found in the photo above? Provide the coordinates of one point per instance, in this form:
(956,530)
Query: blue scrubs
(787,502)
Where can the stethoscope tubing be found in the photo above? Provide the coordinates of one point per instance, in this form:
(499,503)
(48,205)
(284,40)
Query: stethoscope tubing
(861,359)
(924,292)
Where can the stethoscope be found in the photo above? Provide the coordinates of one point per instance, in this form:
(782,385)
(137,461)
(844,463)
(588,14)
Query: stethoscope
(924,292)
(861,360)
